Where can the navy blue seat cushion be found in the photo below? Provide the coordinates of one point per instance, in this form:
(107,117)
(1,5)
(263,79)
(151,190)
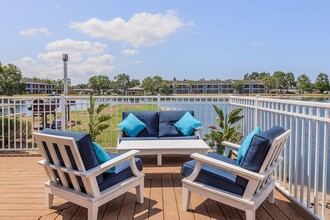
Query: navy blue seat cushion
(85,147)
(167,119)
(149,118)
(259,148)
(122,172)
(215,177)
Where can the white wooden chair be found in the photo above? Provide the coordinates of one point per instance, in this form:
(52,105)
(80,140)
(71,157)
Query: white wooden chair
(80,186)
(259,185)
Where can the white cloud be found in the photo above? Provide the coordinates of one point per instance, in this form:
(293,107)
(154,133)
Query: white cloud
(129,52)
(75,49)
(141,30)
(34,32)
(69,45)
(91,66)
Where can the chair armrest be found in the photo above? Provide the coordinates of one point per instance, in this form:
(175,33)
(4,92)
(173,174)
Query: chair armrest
(228,167)
(113,162)
(197,132)
(232,145)
(100,168)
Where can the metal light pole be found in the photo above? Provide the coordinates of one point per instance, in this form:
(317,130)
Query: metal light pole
(65,61)
(65,58)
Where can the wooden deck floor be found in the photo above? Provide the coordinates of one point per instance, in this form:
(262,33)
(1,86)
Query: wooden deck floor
(22,197)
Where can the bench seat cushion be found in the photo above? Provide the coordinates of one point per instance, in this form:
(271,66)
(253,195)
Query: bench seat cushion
(167,119)
(215,177)
(149,118)
(122,172)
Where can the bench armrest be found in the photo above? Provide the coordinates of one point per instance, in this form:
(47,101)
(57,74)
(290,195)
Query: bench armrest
(119,134)
(197,132)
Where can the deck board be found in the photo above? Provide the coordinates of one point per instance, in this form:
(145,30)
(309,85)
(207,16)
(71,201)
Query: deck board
(22,197)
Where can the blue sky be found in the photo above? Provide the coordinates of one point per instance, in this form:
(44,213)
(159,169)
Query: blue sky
(182,39)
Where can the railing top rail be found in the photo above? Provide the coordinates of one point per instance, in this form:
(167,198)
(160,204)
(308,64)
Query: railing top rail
(286,101)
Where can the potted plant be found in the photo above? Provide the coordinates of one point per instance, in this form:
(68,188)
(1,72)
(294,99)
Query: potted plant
(96,121)
(226,129)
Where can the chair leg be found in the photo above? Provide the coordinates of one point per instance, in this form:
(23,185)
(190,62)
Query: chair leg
(271,197)
(49,199)
(92,212)
(185,198)
(250,215)
(139,192)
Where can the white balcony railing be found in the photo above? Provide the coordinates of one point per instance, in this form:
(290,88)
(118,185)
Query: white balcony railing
(303,175)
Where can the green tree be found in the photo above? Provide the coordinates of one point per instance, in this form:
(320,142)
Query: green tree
(238,86)
(99,83)
(147,84)
(10,80)
(134,82)
(289,78)
(190,85)
(304,83)
(280,80)
(122,81)
(153,84)
(322,82)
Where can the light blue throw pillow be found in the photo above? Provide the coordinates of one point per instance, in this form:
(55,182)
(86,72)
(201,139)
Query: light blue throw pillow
(102,156)
(245,145)
(132,125)
(187,124)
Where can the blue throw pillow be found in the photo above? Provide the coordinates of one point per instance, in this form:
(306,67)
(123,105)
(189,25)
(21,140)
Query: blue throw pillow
(245,145)
(187,124)
(102,156)
(132,125)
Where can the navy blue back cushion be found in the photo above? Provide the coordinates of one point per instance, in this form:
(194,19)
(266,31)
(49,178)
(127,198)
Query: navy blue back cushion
(149,118)
(167,119)
(85,147)
(259,148)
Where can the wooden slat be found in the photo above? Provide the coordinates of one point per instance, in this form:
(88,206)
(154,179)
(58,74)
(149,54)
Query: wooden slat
(170,207)
(156,199)
(178,193)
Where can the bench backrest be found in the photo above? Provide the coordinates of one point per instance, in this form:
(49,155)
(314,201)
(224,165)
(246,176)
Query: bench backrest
(158,124)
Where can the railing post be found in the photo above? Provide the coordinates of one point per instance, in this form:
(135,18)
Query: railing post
(158,102)
(256,121)
(229,102)
(63,110)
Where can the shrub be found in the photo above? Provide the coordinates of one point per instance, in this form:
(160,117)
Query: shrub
(26,130)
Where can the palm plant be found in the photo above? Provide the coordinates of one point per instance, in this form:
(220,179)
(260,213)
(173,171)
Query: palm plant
(226,129)
(96,121)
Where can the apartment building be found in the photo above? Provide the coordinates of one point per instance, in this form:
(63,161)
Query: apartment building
(215,86)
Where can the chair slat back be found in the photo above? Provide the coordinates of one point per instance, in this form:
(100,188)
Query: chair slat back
(275,150)
(49,146)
